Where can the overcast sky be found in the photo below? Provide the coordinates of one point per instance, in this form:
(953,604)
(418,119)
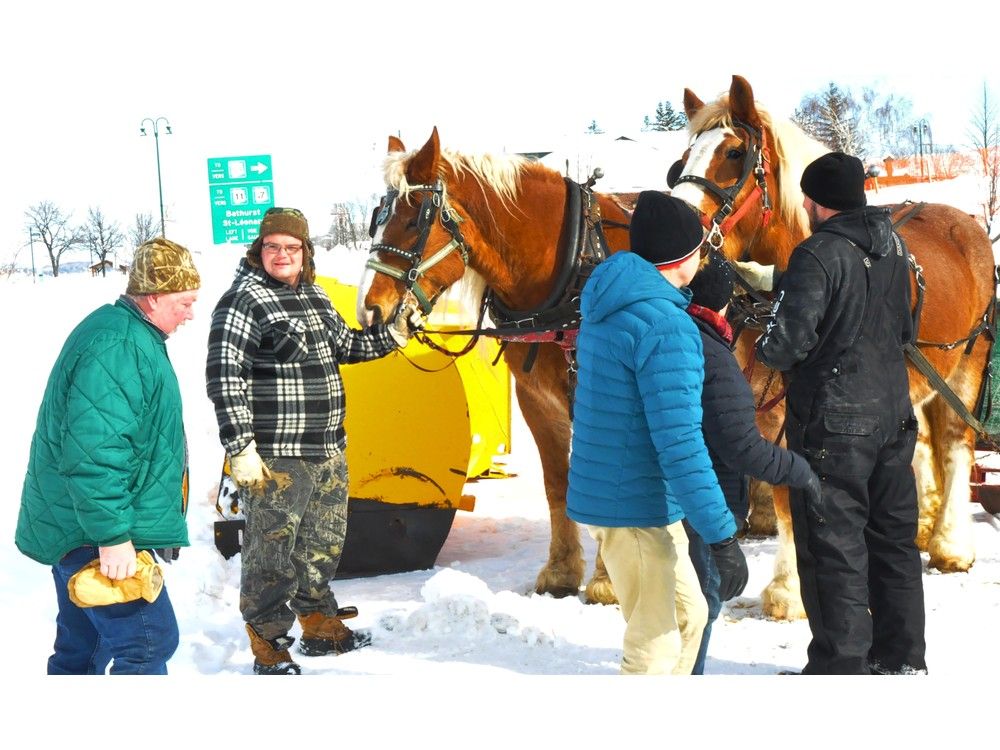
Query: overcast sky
(320,86)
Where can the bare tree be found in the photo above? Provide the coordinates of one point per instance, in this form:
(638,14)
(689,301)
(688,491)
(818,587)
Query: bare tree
(101,237)
(885,123)
(350,223)
(9,268)
(143,230)
(984,132)
(832,118)
(54,230)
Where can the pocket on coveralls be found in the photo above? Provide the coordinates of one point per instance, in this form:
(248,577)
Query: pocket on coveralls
(844,444)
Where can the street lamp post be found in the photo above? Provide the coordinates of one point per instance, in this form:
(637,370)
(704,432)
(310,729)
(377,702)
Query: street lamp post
(919,130)
(156,138)
(31,242)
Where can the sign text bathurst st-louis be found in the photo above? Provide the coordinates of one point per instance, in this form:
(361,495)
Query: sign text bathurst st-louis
(242,189)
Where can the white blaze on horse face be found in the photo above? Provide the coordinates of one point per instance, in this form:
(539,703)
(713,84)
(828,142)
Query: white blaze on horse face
(367,317)
(698,161)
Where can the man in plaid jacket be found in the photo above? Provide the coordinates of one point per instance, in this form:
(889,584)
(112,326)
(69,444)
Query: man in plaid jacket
(274,351)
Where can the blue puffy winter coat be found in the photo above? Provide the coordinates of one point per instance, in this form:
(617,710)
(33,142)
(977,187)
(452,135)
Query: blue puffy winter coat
(638,455)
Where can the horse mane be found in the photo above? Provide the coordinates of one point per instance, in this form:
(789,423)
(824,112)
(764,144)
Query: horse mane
(497,174)
(791,151)
(500,173)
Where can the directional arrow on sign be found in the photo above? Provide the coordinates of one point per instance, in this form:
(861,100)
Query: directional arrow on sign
(259,168)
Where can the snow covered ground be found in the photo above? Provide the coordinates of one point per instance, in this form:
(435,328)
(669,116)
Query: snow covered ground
(457,640)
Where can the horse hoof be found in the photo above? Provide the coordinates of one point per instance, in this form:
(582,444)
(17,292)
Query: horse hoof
(778,603)
(600,591)
(951,564)
(559,592)
(950,555)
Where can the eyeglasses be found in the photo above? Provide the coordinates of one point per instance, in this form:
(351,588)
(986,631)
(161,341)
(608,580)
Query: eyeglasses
(274,247)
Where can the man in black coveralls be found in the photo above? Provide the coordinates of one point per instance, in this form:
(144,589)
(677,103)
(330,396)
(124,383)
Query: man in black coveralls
(840,318)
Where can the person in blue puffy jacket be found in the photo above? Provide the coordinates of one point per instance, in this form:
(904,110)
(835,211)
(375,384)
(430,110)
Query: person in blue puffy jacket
(639,464)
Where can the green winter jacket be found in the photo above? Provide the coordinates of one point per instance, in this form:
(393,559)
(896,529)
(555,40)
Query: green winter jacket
(107,461)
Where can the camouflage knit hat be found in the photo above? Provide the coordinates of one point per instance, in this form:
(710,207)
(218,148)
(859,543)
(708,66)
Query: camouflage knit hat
(288,221)
(161,267)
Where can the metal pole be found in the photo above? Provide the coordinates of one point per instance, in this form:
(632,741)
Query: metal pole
(159,179)
(930,140)
(31,241)
(920,140)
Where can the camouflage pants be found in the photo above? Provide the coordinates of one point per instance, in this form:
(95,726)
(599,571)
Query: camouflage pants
(292,544)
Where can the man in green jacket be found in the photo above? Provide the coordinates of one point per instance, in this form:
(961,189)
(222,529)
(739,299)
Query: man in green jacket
(107,474)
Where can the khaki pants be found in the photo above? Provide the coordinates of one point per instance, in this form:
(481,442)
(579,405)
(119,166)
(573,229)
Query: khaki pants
(661,600)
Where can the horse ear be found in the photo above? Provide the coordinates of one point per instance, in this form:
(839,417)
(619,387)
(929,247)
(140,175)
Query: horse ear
(423,165)
(741,102)
(692,104)
(395,144)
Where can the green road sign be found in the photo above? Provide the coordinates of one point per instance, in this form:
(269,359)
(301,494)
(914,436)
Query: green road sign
(242,189)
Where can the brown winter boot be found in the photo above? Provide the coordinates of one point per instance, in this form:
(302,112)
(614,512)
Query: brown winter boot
(324,634)
(271,656)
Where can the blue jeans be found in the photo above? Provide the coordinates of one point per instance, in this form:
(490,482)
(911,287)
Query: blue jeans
(708,577)
(137,636)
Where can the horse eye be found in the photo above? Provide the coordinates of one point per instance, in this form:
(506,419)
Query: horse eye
(734,153)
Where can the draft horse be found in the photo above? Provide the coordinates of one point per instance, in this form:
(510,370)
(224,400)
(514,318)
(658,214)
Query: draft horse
(516,228)
(742,172)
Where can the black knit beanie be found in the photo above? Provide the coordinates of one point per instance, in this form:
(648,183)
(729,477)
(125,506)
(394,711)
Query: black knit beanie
(712,286)
(836,181)
(664,229)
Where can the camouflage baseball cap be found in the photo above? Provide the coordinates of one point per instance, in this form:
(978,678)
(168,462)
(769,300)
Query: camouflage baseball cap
(161,267)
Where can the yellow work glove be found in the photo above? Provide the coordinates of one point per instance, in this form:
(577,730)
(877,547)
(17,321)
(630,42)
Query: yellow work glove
(407,321)
(248,469)
(759,276)
(90,588)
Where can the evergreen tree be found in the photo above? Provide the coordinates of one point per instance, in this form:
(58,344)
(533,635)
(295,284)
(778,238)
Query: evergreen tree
(667,118)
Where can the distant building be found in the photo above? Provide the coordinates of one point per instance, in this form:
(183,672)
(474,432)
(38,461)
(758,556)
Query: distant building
(102,267)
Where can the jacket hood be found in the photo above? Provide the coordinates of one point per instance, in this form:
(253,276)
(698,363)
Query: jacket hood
(870,228)
(622,280)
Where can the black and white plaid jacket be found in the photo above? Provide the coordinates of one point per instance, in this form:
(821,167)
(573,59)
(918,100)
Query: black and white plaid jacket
(273,366)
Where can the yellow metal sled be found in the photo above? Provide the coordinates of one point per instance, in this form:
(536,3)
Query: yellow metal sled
(419,425)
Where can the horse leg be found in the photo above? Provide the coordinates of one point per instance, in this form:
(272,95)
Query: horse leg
(763,519)
(599,589)
(927,473)
(951,546)
(781,598)
(548,421)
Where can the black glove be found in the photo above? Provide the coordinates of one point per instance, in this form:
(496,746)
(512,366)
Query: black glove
(732,565)
(168,554)
(812,493)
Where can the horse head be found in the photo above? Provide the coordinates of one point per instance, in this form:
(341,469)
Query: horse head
(418,249)
(733,173)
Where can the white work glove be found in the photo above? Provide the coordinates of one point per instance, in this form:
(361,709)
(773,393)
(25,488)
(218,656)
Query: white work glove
(759,276)
(248,469)
(406,321)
